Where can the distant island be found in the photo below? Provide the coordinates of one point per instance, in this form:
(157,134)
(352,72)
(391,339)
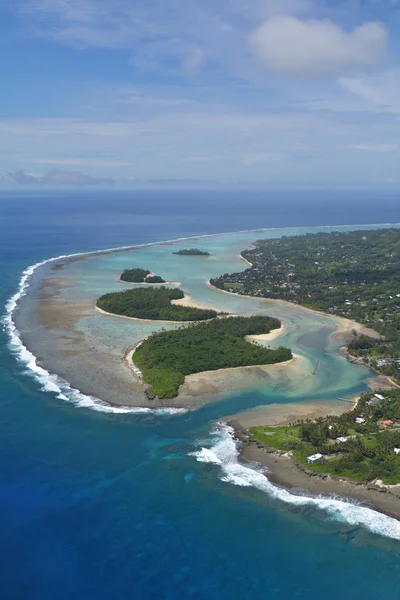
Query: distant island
(353,274)
(152,304)
(140,276)
(192,252)
(166,358)
(362,444)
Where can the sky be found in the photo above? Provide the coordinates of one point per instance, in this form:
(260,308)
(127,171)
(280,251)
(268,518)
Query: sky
(237,91)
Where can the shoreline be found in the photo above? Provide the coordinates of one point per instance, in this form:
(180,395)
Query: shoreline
(345,326)
(266,337)
(283,469)
(108,314)
(59,263)
(348,324)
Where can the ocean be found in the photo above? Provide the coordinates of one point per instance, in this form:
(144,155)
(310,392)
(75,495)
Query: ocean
(98,505)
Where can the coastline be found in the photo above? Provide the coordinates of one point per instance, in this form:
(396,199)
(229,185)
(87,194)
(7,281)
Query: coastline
(112,390)
(190,302)
(283,469)
(345,327)
(108,314)
(347,324)
(266,337)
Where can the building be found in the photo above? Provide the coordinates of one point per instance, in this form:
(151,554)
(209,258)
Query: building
(342,439)
(360,420)
(314,458)
(387,422)
(396,450)
(374,401)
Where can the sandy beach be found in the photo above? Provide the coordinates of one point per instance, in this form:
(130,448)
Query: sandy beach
(191,303)
(266,337)
(345,325)
(241,378)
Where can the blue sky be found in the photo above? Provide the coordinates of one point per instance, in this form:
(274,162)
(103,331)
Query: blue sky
(234,90)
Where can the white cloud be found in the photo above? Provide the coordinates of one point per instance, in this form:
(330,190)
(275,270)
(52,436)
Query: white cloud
(194,59)
(172,34)
(375,147)
(311,48)
(380,92)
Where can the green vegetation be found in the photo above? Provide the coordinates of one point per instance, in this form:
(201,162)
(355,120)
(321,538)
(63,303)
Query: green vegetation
(152,303)
(368,450)
(166,358)
(154,279)
(192,252)
(353,274)
(140,276)
(134,275)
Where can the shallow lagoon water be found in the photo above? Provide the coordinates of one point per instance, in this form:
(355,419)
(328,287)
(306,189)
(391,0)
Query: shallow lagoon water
(98,343)
(100,505)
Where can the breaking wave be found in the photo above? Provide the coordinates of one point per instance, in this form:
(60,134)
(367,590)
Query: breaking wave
(224,454)
(51,382)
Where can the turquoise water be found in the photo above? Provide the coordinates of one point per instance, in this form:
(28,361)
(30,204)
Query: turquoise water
(101,505)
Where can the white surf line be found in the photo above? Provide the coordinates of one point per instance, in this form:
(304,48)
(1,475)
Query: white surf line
(224,453)
(53,383)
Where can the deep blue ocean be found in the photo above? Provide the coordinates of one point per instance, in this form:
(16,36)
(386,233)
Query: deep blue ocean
(99,506)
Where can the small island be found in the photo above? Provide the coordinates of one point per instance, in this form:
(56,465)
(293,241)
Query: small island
(140,276)
(362,445)
(166,358)
(152,304)
(192,252)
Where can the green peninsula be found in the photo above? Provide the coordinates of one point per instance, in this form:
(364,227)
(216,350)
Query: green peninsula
(166,358)
(354,274)
(362,444)
(153,304)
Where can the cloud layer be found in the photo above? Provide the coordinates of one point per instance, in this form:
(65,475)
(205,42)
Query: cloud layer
(310,48)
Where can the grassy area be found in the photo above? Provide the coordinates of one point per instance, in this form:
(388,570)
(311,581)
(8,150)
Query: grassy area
(368,452)
(166,358)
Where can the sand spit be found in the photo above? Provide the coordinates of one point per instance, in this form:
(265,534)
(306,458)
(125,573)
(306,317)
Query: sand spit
(266,337)
(189,302)
(241,378)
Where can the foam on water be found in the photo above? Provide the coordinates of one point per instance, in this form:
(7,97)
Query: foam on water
(51,382)
(224,453)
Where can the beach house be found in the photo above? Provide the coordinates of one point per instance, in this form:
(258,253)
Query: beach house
(314,458)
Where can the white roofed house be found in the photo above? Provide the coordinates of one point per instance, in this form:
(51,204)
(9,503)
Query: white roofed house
(314,458)
(360,420)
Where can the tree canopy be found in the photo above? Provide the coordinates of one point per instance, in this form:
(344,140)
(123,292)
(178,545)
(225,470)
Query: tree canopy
(153,304)
(166,358)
